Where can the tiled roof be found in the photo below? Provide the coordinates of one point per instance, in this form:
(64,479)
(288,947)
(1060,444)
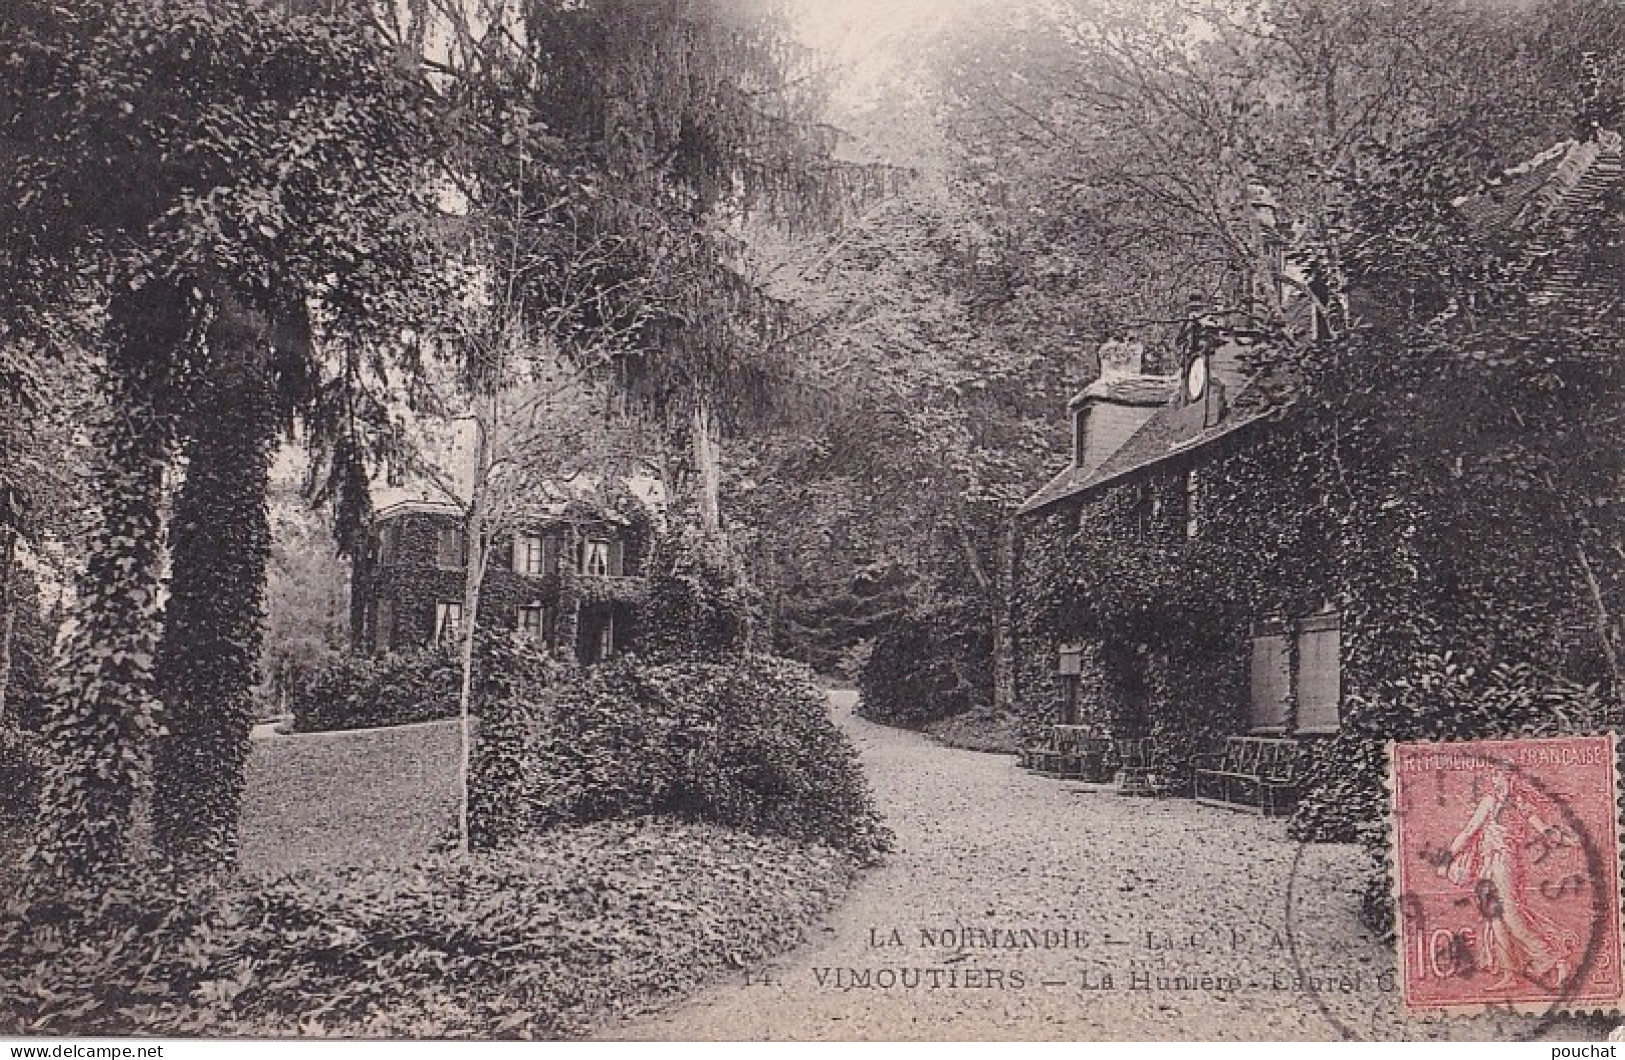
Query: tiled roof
(1556,184)
(416,507)
(1129,390)
(1172,431)
(1545,198)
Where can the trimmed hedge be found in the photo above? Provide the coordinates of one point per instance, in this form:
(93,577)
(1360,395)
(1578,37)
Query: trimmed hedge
(357,692)
(748,744)
(543,941)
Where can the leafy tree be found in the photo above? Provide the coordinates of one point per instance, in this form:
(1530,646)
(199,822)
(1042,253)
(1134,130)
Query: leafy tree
(185,165)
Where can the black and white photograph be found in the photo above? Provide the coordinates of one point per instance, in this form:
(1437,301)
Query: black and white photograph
(811,520)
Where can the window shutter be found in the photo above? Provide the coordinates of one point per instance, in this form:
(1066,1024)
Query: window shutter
(1319,677)
(521,554)
(550,555)
(1271,673)
(617,558)
(1071,662)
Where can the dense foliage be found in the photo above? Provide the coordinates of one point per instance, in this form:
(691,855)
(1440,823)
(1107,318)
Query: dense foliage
(358,692)
(1441,698)
(746,743)
(178,167)
(540,941)
(927,666)
(698,603)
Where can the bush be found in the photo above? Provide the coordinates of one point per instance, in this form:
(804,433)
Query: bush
(748,743)
(356,692)
(542,941)
(1442,700)
(925,668)
(699,604)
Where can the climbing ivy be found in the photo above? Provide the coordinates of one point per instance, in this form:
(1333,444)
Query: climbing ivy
(101,713)
(220,542)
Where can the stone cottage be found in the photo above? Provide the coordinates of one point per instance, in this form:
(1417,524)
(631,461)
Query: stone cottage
(1178,580)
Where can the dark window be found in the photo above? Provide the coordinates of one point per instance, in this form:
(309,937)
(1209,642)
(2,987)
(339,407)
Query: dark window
(448,620)
(384,631)
(533,621)
(451,548)
(1145,512)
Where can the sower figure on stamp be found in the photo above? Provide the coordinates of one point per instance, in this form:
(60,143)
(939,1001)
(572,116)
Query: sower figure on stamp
(1493,855)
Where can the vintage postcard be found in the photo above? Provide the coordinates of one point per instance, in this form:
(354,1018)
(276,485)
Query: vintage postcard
(811,520)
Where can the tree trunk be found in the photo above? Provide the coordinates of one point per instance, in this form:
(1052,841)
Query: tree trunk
(473,583)
(1004,656)
(707,468)
(101,711)
(8,611)
(220,543)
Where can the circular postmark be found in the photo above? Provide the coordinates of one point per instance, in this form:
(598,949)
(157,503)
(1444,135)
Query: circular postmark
(1495,889)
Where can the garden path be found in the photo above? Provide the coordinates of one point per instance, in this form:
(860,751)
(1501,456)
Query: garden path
(1205,907)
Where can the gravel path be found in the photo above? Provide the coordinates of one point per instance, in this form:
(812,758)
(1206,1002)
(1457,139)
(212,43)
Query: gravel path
(1090,916)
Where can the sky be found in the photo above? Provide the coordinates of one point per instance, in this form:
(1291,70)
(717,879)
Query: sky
(870,40)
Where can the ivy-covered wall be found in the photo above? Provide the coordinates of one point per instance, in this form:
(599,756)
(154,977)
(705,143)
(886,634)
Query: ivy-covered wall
(1163,619)
(1295,517)
(412,582)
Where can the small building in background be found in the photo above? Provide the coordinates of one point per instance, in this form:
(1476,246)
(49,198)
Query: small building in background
(570,573)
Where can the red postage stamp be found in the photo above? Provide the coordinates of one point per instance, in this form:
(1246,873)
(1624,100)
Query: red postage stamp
(1506,870)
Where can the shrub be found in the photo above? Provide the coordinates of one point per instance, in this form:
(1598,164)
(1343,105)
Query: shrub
(541,941)
(748,743)
(927,667)
(356,692)
(699,604)
(1441,700)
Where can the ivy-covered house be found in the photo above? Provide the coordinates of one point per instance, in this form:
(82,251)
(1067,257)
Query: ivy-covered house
(1151,596)
(1235,548)
(572,576)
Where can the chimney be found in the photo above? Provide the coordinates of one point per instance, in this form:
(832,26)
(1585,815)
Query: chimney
(1264,286)
(1118,403)
(1120,359)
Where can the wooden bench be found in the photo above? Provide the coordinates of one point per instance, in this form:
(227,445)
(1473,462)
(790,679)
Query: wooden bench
(1070,754)
(1256,773)
(1141,769)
